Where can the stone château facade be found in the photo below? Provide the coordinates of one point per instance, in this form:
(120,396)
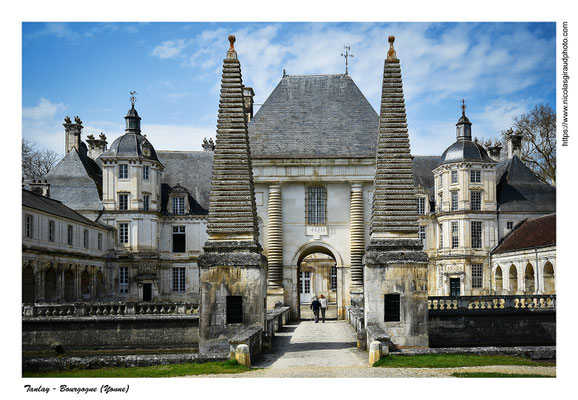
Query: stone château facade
(309,161)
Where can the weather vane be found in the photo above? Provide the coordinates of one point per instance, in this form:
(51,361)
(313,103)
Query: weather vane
(132,98)
(463,107)
(346,55)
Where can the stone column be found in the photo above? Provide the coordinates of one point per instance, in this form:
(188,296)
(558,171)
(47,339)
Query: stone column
(357,244)
(275,292)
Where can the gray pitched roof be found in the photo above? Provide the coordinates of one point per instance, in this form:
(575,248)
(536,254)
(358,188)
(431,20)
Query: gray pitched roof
(54,207)
(518,189)
(191,170)
(314,116)
(76,181)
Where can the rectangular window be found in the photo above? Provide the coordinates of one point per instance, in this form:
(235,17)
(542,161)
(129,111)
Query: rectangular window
(234,309)
(441,230)
(334,278)
(123,201)
(316,205)
(123,233)
(476,200)
(179,239)
(441,181)
(455,234)
(123,280)
(146,202)
(477,277)
(454,201)
(179,279)
(178,205)
(145,173)
(392,307)
(85,238)
(422,235)
(123,171)
(421,205)
(454,176)
(509,225)
(476,228)
(29,226)
(440,206)
(476,176)
(69,233)
(99,241)
(51,230)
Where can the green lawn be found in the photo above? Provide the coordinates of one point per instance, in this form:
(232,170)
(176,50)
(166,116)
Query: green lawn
(451,360)
(496,375)
(157,371)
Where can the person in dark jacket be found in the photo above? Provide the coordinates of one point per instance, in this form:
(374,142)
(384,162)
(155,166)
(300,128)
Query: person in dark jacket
(315,306)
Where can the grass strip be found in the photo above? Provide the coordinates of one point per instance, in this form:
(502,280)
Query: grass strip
(451,361)
(497,375)
(155,371)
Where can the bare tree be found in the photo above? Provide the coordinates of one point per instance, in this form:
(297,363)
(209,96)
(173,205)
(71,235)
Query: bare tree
(36,163)
(538,130)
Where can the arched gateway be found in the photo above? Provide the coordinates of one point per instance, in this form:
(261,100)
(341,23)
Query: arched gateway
(318,264)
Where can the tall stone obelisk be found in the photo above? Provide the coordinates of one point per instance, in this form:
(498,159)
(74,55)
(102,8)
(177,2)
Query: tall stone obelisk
(232,268)
(395,272)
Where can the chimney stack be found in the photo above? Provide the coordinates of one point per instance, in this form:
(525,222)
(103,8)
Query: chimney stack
(248,95)
(514,142)
(72,133)
(96,146)
(495,150)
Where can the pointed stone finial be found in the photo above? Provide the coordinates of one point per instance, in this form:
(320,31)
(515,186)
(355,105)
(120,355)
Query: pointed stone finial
(67,120)
(391,55)
(231,53)
(463,107)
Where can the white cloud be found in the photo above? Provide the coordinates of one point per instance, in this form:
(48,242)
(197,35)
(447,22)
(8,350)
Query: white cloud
(169,49)
(43,110)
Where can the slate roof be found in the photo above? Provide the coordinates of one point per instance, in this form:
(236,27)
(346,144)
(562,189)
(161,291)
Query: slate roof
(130,145)
(465,150)
(519,190)
(192,170)
(54,207)
(422,170)
(76,181)
(536,232)
(314,116)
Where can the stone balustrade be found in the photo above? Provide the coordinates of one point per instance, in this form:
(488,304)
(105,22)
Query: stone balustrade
(108,309)
(520,302)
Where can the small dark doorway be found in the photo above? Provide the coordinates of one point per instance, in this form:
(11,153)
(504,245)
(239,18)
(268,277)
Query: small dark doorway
(454,286)
(147,292)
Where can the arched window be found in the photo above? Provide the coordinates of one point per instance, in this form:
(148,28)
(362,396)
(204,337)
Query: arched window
(85,284)
(99,285)
(498,281)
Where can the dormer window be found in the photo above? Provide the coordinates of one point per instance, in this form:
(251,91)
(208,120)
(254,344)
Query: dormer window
(421,205)
(123,171)
(476,176)
(178,205)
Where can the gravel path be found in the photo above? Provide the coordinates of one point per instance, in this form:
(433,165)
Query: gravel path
(328,350)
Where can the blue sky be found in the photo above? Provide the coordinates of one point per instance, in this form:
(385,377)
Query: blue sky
(88,69)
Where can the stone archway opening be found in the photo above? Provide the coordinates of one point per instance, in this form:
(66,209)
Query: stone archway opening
(529,279)
(498,281)
(69,286)
(99,285)
(85,284)
(513,279)
(50,284)
(28,285)
(549,283)
(317,275)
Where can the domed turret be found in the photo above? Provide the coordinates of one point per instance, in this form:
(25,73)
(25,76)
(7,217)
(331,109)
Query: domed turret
(464,149)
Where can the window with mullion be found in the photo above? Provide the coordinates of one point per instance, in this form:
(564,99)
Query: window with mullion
(123,201)
(455,235)
(420,205)
(179,279)
(316,205)
(123,171)
(454,201)
(477,276)
(476,200)
(178,205)
(476,231)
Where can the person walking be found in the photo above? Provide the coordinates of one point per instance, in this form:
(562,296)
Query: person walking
(323,306)
(315,305)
